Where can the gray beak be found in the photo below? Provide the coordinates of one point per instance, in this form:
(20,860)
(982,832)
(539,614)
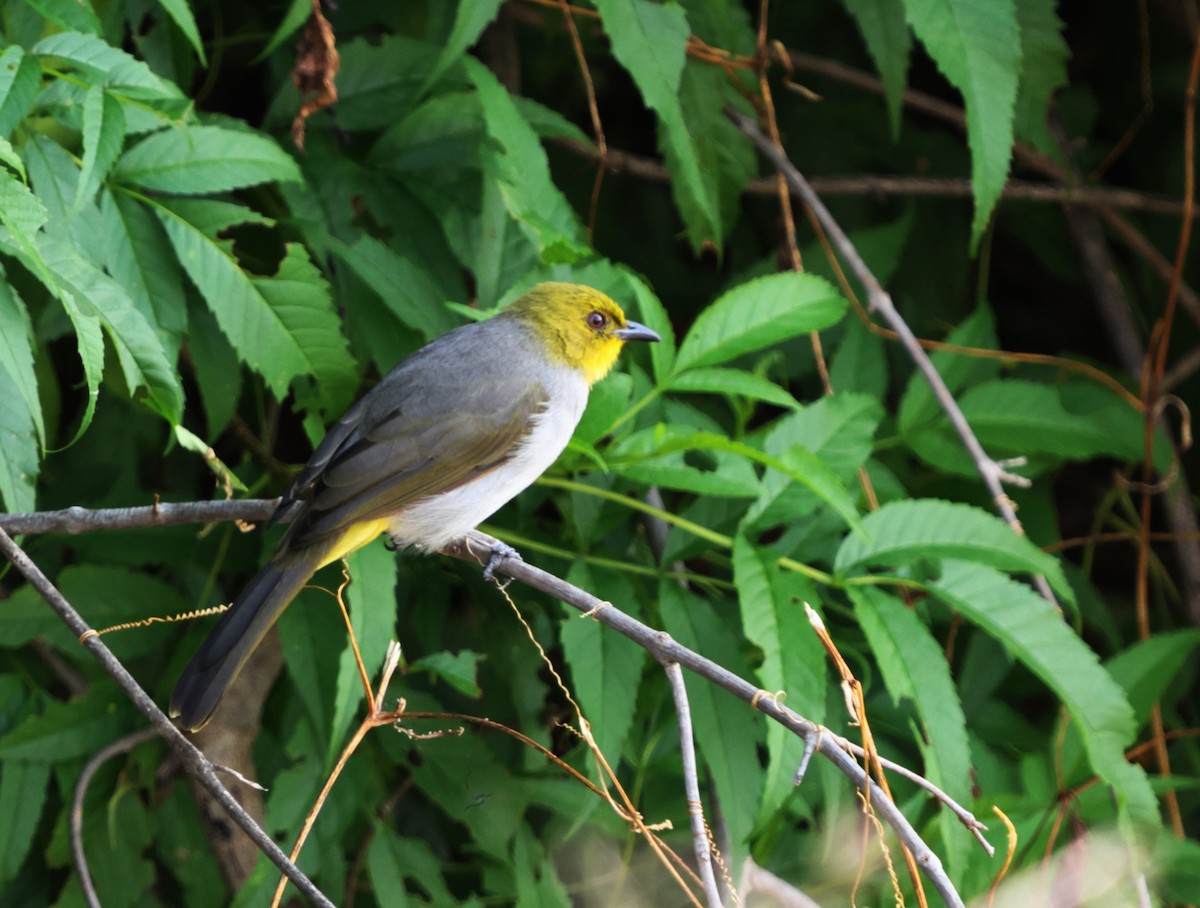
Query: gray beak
(636,332)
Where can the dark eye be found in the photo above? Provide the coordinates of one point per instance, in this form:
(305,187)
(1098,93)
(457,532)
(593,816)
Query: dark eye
(596,320)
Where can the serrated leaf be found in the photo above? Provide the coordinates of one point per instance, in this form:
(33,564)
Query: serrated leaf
(67,730)
(470,19)
(889,43)
(757,314)
(592,651)
(139,257)
(522,172)
(392,858)
(460,670)
(372,600)
(1018,417)
(299,294)
(103,64)
(16,353)
(68,14)
(1147,668)
(1044,55)
(181,14)
(914,668)
(793,660)
(20,78)
(976,44)
(18,452)
(263,337)
(1036,635)
(402,285)
(902,532)
(20,210)
(93,294)
(200,160)
(918,406)
(103,134)
(23,788)
(718,380)
(649,40)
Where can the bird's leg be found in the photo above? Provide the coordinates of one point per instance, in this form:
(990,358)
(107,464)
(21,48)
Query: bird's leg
(501,552)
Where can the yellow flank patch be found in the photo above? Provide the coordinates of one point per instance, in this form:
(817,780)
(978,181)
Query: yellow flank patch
(355,537)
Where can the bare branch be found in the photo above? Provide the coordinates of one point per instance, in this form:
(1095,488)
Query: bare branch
(78,520)
(691,785)
(193,760)
(992,473)
(98,759)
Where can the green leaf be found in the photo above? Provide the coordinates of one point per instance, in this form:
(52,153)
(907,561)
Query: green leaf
(918,406)
(20,210)
(1036,635)
(594,651)
(901,532)
(1147,669)
(520,169)
(391,859)
(181,14)
(299,294)
(103,134)
(16,354)
(372,601)
(20,78)
(402,285)
(727,735)
(68,730)
(889,43)
(138,255)
(460,670)
(470,19)
(976,45)
(297,14)
(264,330)
(650,41)
(914,668)
(198,160)
(93,294)
(793,663)
(101,63)
(68,15)
(718,380)
(18,452)
(1018,417)
(23,789)
(667,457)
(1044,55)
(757,314)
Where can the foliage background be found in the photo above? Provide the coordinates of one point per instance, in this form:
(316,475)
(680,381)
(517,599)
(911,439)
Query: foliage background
(178,276)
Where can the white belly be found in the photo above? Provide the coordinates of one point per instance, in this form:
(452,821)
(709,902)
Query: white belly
(446,518)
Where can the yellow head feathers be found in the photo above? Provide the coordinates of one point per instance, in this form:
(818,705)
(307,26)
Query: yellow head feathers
(581,327)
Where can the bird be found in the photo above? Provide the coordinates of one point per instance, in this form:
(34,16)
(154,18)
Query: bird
(451,434)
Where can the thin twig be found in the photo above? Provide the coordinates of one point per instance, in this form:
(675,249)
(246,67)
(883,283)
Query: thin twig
(98,759)
(78,520)
(192,759)
(691,785)
(992,473)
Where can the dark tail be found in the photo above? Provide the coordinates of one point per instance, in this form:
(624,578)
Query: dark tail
(230,644)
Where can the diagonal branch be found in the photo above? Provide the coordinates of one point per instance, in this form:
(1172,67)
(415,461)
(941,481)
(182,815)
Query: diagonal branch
(192,759)
(991,471)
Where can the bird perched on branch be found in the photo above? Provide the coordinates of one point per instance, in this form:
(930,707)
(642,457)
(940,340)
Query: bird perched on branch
(450,435)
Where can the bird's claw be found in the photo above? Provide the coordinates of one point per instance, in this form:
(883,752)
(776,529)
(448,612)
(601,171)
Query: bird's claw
(501,552)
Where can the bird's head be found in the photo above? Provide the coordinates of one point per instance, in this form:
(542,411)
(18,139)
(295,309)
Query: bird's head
(580,327)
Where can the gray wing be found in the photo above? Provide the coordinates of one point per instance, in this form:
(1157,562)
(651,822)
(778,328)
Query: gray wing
(446,415)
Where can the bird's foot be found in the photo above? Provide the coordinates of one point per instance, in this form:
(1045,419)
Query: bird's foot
(501,552)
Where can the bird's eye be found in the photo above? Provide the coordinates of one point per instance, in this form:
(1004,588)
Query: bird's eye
(596,320)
